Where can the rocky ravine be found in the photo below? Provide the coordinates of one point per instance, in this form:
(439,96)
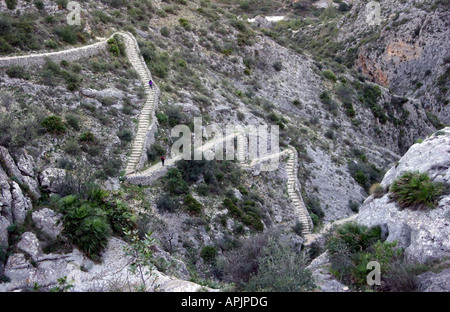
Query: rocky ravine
(424,234)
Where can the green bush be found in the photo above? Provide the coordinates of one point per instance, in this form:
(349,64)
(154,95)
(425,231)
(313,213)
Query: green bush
(278,66)
(90,219)
(112,167)
(329,75)
(354,236)
(165,31)
(73,121)
(351,247)
(232,208)
(364,174)
(85,225)
(415,190)
(313,205)
(72,148)
(155,151)
(125,135)
(11,4)
(165,203)
(113,47)
(17,71)
(120,217)
(175,183)
(54,124)
(162,118)
(193,206)
(67,34)
(280,270)
(39,4)
(208,253)
(298,228)
(87,137)
(184,23)
(5,47)
(434,120)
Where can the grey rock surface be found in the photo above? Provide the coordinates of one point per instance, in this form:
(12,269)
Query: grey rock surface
(52,177)
(26,164)
(29,243)
(434,282)
(112,274)
(4,234)
(20,204)
(5,196)
(325,281)
(423,233)
(46,220)
(10,165)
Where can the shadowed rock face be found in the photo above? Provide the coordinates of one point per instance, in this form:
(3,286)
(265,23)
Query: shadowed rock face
(423,233)
(408,52)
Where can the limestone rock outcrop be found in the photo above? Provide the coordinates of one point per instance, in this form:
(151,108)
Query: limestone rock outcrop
(423,233)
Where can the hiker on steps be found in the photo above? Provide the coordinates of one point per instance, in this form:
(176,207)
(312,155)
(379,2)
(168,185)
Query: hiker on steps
(162,160)
(150,83)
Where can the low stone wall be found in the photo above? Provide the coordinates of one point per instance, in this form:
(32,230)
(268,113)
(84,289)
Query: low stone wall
(146,180)
(68,55)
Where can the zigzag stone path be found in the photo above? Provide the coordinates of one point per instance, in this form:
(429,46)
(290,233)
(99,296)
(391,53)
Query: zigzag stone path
(147,118)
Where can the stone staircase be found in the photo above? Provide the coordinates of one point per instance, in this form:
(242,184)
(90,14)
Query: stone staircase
(148,110)
(294,194)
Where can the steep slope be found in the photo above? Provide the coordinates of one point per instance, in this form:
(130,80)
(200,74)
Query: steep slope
(408,52)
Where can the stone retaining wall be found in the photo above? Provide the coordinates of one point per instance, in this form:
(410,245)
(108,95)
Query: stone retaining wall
(68,55)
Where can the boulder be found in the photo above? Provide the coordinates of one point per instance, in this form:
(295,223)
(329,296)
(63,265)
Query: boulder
(18,269)
(29,243)
(178,268)
(33,186)
(434,282)
(22,172)
(110,92)
(20,204)
(10,165)
(237,194)
(4,223)
(5,196)
(26,164)
(324,280)
(46,220)
(52,177)
(431,156)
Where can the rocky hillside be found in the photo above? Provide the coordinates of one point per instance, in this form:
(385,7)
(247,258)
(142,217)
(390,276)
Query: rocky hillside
(417,224)
(408,52)
(67,131)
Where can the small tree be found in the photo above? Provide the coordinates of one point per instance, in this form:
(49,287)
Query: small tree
(281,270)
(142,256)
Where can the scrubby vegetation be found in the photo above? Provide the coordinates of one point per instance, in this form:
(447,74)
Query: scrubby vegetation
(263,263)
(89,222)
(352,247)
(415,190)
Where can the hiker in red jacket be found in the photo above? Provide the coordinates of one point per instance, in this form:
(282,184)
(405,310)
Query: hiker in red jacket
(162,160)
